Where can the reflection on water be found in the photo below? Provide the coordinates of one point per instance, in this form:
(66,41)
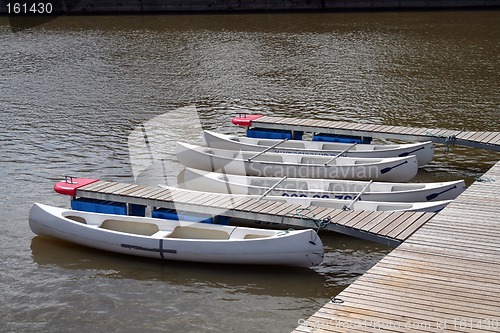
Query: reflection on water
(73,89)
(256,280)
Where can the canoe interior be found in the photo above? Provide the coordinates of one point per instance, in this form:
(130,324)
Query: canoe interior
(137,228)
(180,232)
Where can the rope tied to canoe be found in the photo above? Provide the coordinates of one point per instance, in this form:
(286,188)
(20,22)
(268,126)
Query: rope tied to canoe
(284,232)
(448,141)
(309,218)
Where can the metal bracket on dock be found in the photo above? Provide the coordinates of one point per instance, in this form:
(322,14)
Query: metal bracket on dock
(69,179)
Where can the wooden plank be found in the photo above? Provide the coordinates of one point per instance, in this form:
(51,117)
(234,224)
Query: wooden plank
(441,274)
(279,208)
(457,243)
(439,133)
(348,126)
(205,199)
(101,185)
(291,211)
(431,273)
(393,216)
(201,199)
(401,220)
(91,186)
(113,188)
(379,128)
(391,314)
(274,205)
(318,211)
(154,193)
(139,192)
(431,304)
(420,132)
(406,130)
(124,189)
(314,122)
(360,126)
(387,129)
(185,196)
(394,232)
(252,204)
(487,136)
(467,135)
(400,130)
(410,229)
(421,265)
(441,303)
(476,137)
(108,188)
(266,204)
(414,131)
(127,192)
(230,202)
(442,261)
(360,224)
(370,127)
(363,216)
(295,121)
(346,216)
(367,225)
(427,280)
(495,139)
(217,200)
(166,196)
(381,274)
(329,213)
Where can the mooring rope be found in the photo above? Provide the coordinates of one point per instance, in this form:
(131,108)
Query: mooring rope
(311,220)
(448,140)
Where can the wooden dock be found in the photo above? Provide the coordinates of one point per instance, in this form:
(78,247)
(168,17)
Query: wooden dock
(444,277)
(485,140)
(390,228)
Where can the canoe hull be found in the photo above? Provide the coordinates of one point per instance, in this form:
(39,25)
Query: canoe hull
(423,151)
(294,248)
(309,166)
(200,180)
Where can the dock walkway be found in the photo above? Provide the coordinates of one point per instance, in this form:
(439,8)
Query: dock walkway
(390,228)
(485,140)
(444,277)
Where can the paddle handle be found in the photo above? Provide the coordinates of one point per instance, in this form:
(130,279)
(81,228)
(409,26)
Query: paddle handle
(266,150)
(359,195)
(272,188)
(340,154)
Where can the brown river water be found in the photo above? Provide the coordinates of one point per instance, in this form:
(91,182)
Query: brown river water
(73,89)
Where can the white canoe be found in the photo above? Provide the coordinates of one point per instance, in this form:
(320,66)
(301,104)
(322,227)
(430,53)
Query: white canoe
(396,169)
(308,202)
(178,240)
(423,151)
(200,180)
